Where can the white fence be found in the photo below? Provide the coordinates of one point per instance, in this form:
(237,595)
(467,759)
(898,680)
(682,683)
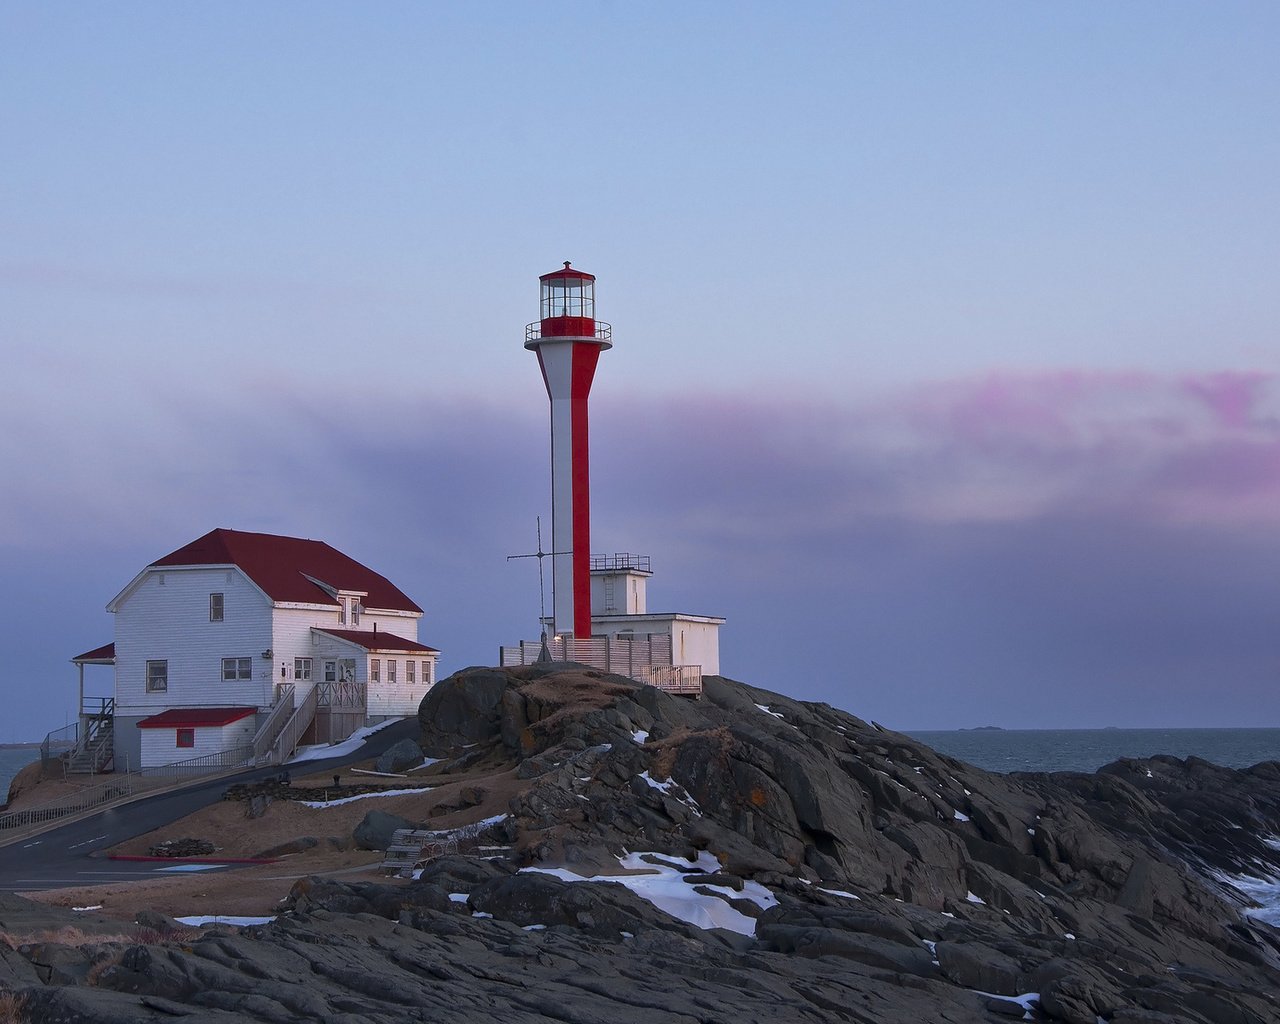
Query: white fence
(645,658)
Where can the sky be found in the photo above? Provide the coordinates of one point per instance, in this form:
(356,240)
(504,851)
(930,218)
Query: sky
(945,335)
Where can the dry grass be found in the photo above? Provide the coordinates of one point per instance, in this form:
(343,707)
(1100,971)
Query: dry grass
(70,935)
(12,1006)
(100,967)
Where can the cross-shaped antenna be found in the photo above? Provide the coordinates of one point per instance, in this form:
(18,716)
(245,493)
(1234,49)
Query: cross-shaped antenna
(542,605)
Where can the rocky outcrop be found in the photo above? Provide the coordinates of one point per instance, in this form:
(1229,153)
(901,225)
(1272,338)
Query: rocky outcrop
(842,872)
(399,756)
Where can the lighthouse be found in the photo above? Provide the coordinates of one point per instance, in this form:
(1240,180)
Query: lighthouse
(568,340)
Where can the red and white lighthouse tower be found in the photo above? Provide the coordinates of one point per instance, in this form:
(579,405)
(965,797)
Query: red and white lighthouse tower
(569,340)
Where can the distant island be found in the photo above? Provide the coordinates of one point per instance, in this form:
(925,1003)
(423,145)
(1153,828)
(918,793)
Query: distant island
(20,746)
(985,728)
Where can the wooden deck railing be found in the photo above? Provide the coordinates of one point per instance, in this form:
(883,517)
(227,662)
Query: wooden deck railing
(645,658)
(291,733)
(270,728)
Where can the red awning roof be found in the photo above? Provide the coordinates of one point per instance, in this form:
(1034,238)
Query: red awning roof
(104,655)
(378,641)
(281,565)
(195,718)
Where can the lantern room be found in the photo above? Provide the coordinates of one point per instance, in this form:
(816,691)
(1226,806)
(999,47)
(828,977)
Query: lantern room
(568,309)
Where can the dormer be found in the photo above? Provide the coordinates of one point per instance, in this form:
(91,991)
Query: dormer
(350,602)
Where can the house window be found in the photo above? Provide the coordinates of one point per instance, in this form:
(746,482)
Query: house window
(215,607)
(236,668)
(391,670)
(409,666)
(426,673)
(302,668)
(330,671)
(342,612)
(355,613)
(157,676)
(375,670)
(186,737)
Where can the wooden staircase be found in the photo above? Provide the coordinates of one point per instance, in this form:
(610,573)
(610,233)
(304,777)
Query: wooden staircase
(94,754)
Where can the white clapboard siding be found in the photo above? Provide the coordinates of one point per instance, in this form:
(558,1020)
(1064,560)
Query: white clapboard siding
(169,621)
(291,638)
(160,746)
(401,698)
(401,624)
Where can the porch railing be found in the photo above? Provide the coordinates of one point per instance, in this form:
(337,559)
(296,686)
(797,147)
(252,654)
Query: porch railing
(685,680)
(344,696)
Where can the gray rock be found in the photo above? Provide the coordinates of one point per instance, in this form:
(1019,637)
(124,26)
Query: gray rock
(974,965)
(462,709)
(376,829)
(399,756)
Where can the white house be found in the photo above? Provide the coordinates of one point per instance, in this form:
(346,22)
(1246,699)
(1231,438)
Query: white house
(214,637)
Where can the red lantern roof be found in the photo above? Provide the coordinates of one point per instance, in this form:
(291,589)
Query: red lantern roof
(568,271)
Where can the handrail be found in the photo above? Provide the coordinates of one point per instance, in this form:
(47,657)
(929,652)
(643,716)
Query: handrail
(621,560)
(123,785)
(82,801)
(275,720)
(533,332)
(233,758)
(287,741)
(55,737)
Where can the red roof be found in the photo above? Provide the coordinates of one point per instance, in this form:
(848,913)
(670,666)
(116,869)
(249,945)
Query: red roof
(281,565)
(195,718)
(568,271)
(378,641)
(106,653)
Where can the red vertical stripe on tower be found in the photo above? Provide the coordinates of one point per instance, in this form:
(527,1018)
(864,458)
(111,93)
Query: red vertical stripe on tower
(585,358)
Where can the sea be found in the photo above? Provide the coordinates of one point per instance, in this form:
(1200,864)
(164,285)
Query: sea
(12,761)
(1087,750)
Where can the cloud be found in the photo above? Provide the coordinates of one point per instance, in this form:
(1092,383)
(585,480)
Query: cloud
(1036,549)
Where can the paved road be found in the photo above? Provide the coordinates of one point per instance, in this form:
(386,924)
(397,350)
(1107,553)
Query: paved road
(64,857)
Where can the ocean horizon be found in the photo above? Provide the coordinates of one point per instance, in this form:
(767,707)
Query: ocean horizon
(1087,750)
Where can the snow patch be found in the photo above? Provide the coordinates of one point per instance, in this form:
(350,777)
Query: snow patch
(766,710)
(661,882)
(1029,1001)
(459,897)
(81,910)
(350,745)
(958,816)
(839,892)
(640,736)
(363,796)
(973,897)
